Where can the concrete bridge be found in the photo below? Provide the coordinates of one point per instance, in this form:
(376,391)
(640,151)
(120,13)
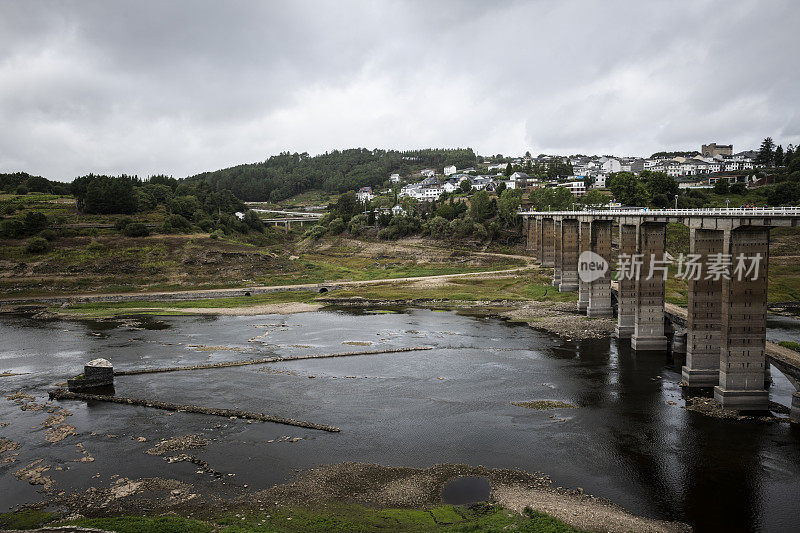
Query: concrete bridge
(286,218)
(726,316)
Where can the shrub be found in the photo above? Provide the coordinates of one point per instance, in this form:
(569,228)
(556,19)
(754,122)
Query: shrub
(479,231)
(253,221)
(12,228)
(462,227)
(357,224)
(37,245)
(438,227)
(122,223)
(317,231)
(175,223)
(206,224)
(34,222)
(136,229)
(48,235)
(217,234)
(22,190)
(336,226)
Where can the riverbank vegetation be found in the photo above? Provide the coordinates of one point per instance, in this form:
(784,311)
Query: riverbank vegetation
(477,518)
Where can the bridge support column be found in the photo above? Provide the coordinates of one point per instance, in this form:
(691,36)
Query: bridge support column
(585,244)
(537,231)
(600,289)
(558,248)
(569,255)
(744,321)
(535,238)
(795,413)
(526,234)
(704,321)
(626,293)
(648,334)
(548,241)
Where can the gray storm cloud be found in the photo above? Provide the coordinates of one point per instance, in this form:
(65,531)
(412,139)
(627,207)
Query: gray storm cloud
(181,87)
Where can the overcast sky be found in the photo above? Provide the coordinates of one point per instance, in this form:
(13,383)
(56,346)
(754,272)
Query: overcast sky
(180,87)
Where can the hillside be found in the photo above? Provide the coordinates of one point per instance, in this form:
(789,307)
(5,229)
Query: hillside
(286,175)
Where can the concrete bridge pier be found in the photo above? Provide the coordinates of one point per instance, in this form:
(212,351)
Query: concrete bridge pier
(648,334)
(526,232)
(548,238)
(626,292)
(704,319)
(558,248)
(795,413)
(537,235)
(569,255)
(585,244)
(600,289)
(744,325)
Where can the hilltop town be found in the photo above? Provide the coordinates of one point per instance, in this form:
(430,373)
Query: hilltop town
(578,173)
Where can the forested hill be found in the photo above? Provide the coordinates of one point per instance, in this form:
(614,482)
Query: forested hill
(286,175)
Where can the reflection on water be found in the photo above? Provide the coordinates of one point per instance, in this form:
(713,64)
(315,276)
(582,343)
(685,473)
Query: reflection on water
(629,441)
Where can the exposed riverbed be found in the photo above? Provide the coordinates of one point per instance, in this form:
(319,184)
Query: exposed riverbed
(628,440)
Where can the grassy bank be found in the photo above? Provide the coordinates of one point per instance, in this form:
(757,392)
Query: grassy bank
(106,309)
(343,518)
(110,264)
(529,285)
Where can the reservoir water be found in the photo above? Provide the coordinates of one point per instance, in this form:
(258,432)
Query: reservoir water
(628,441)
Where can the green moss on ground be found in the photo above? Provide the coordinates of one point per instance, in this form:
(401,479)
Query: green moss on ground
(26,519)
(342,518)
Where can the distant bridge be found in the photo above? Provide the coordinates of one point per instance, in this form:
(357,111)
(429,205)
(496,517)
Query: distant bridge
(288,217)
(301,214)
(726,318)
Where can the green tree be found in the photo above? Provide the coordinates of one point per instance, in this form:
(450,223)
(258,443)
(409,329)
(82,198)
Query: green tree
(481,207)
(628,189)
(721,186)
(509,170)
(766,153)
(778,157)
(508,205)
(562,199)
(465,186)
(594,198)
(659,183)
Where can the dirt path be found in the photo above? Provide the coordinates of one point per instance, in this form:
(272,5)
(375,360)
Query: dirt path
(241,291)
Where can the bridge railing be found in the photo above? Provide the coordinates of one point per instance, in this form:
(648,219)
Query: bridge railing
(716,211)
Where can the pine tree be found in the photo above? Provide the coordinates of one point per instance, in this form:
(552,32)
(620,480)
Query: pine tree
(778,157)
(766,152)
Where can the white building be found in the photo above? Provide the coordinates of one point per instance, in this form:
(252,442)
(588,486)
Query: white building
(364,194)
(428,172)
(423,193)
(610,165)
(577,188)
(449,170)
(394,178)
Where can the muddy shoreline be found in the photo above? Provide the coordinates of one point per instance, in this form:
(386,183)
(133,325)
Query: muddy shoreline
(371,485)
(558,318)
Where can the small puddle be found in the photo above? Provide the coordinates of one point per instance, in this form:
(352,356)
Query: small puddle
(465,490)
